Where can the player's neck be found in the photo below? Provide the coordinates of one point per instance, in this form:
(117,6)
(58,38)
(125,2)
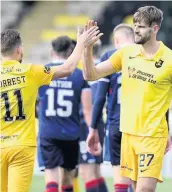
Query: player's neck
(126,44)
(8,58)
(150,48)
(57,59)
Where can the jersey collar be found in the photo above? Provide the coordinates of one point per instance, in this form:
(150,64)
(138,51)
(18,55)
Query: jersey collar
(58,61)
(9,62)
(157,55)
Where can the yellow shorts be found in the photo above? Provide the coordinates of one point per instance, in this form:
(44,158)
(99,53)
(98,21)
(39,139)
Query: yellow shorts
(142,156)
(16,167)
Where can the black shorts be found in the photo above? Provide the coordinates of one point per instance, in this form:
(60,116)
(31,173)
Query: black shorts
(60,153)
(84,156)
(115,145)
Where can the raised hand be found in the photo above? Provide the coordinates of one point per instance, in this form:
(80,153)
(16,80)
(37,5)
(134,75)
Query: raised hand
(90,23)
(89,35)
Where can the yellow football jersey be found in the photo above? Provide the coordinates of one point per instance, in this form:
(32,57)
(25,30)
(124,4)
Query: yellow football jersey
(19,87)
(146,90)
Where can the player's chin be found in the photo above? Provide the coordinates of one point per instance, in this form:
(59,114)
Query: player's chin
(138,40)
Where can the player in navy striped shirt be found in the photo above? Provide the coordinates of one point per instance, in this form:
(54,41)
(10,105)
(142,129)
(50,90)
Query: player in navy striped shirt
(89,167)
(110,86)
(59,121)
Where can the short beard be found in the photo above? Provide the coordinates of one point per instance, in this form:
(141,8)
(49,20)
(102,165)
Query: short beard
(143,40)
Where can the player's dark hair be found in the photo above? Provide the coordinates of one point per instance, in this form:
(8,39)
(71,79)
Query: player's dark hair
(62,46)
(10,39)
(126,29)
(149,15)
(73,45)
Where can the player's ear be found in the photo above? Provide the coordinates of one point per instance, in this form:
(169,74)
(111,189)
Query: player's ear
(52,53)
(116,42)
(155,29)
(19,50)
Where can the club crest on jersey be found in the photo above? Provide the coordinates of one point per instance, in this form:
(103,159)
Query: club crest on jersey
(131,71)
(159,63)
(47,69)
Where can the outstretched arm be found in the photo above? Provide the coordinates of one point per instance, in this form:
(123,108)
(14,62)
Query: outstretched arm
(92,72)
(83,40)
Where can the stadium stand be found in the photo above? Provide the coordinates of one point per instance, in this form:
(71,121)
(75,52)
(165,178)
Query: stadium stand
(115,12)
(55,23)
(12,12)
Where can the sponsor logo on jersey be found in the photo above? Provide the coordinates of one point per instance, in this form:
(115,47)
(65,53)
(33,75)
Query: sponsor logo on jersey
(141,75)
(159,63)
(47,70)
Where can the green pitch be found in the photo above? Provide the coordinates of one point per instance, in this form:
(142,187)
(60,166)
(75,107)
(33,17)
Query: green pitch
(38,185)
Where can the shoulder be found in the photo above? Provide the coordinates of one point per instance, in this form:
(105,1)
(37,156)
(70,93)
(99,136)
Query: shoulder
(167,52)
(167,56)
(107,54)
(127,51)
(77,70)
(50,64)
(166,60)
(77,74)
(53,64)
(24,67)
(133,48)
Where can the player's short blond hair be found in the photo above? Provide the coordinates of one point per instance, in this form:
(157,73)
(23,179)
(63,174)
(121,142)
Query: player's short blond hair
(126,28)
(148,15)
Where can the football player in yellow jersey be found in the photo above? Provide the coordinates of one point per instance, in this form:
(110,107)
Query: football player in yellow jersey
(146,94)
(19,85)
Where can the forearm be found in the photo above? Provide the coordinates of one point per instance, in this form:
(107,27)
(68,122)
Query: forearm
(74,58)
(92,72)
(89,69)
(87,117)
(97,113)
(99,102)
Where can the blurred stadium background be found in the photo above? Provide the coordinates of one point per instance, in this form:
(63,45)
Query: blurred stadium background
(41,21)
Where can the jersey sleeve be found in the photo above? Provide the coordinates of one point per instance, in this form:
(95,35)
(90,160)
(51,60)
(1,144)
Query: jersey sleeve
(42,74)
(116,60)
(104,57)
(99,101)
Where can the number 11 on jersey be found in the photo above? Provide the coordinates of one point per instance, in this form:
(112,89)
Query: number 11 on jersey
(21,115)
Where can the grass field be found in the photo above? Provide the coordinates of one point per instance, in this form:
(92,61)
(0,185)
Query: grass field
(38,185)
